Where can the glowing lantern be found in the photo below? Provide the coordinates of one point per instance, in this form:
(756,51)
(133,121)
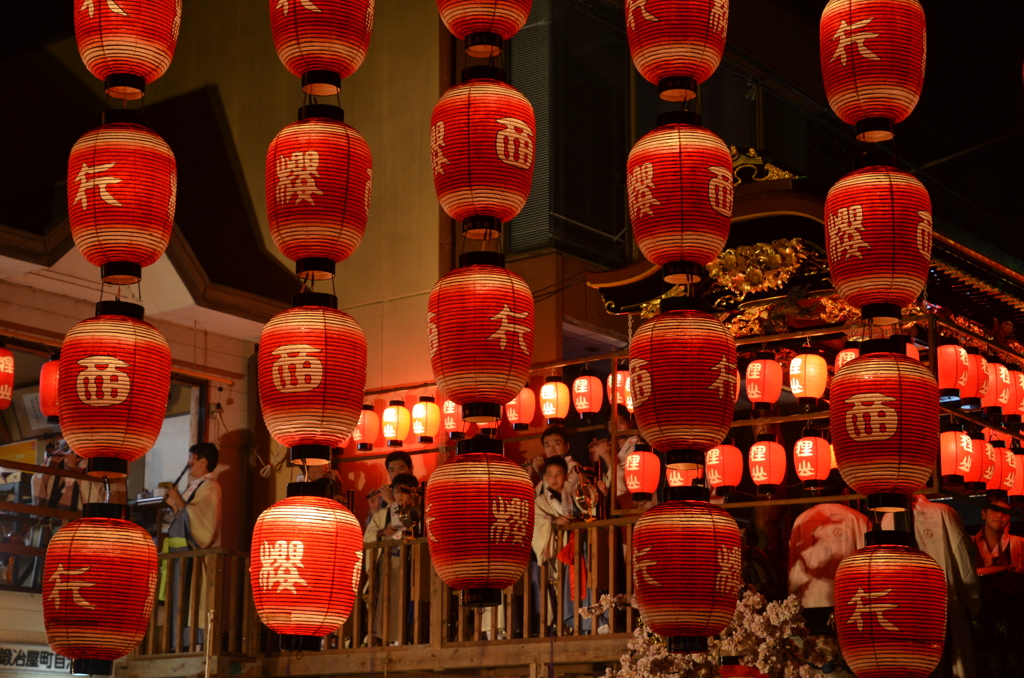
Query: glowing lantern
(679,186)
(812,459)
(767,460)
(629,397)
(872,61)
(127,43)
(890,608)
(98,582)
(686,572)
(554,400)
(878,238)
(1016,492)
(1000,469)
(724,468)
(307,556)
(484,25)
(480,334)
(479,521)
(960,459)
(739,380)
(677,45)
(395,423)
(319,175)
(322,43)
(997,396)
(367,429)
(482,150)
(1012,411)
(115,374)
(48,389)
(122,188)
(850,351)
(520,410)
(909,347)
(687,478)
(586,394)
(6,377)
(426,419)
(764,381)
(616,384)
(642,472)
(976,385)
(953,365)
(808,377)
(451,420)
(312,372)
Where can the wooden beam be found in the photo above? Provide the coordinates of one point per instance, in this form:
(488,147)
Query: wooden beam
(35,468)
(43,511)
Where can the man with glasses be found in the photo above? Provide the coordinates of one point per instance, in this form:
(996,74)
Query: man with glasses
(390,524)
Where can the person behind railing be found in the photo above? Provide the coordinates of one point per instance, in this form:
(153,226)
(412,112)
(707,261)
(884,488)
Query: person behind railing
(396,463)
(556,444)
(55,491)
(390,524)
(623,421)
(549,514)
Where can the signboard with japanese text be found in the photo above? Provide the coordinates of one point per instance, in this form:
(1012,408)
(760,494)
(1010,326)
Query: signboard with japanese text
(16,658)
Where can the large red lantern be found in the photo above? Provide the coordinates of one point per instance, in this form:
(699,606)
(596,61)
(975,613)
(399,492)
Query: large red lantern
(976,385)
(764,381)
(686,571)
(890,602)
(586,394)
(6,377)
(677,45)
(808,377)
(319,175)
(872,61)
(960,457)
(996,399)
(479,521)
(520,410)
(767,460)
(367,429)
(682,366)
(312,371)
(953,365)
(679,186)
(127,43)
(878,238)
(642,472)
(322,42)
(554,400)
(115,375)
(484,25)
(396,422)
(812,459)
(885,426)
(480,334)
(122,188)
(482,139)
(98,583)
(723,466)
(426,419)
(307,556)
(48,389)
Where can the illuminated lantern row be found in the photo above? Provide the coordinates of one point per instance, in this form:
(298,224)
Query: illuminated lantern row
(484,25)
(872,62)
(682,368)
(677,45)
(307,556)
(48,375)
(322,42)
(642,472)
(520,410)
(618,387)
(679,187)
(395,423)
(878,239)
(976,385)
(6,377)
(122,188)
(554,400)
(723,466)
(319,176)
(480,335)
(127,43)
(586,394)
(312,372)
(953,366)
(808,377)
(960,457)
(884,424)
(686,572)
(1000,469)
(890,608)
(996,399)
(482,148)
(426,419)
(367,429)
(851,350)
(115,375)
(812,459)
(98,583)
(478,519)
(764,381)
(767,460)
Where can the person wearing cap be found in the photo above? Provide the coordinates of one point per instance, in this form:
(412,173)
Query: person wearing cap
(389,524)
(998,550)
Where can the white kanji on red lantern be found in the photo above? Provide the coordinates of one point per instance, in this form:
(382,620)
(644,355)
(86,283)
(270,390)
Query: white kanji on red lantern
(924,234)
(296,176)
(87,178)
(507,318)
(295,371)
(878,609)
(725,382)
(281,562)
(719,19)
(639,381)
(727,581)
(639,194)
(437,158)
(640,566)
(871,419)
(511,519)
(720,190)
(73,586)
(285,5)
(854,35)
(514,144)
(632,6)
(102,383)
(90,6)
(845,228)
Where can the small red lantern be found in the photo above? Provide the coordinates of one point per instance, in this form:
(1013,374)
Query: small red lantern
(960,460)
(98,582)
(687,478)
(484,25)
(122,188)
(1013,410)
(586,394)
(48,376)
(878,238)
(1016,493)
(307,556)
(976,385)
(850,351)
(482,137)
(629,396)
(319,175)
(808,377)
(426,419)
(764,381)
(677,45)
(996,399)
(812,459)
(767,461)
(451,420)
(115,374)
(520,410)
(1000,470)
(682,366)
(953,366)
(322,42)
(686,572)
(312,372)
(367,429)
(642,472)
(479,521)
(554,400)
(127,43)
(679,186)
(616,384)
(890,608)
(6,377)
(395,423)
(724,467)
(480,334)
(872,61)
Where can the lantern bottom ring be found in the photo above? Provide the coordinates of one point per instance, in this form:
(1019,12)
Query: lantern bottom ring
(555,421)
(394,443)
(1011,419)
(364,447)
(974,487)
(814,485)
(479,444)
(314,268)
(483,44)
(949,395)
(53,420)
(993,414)
(767,489)
(681,644)
(456,435)
(875,129)
(889,538)
(970,403)
(686,493)
(291,642)
(92,667)
(681,272)
(481,412)
(725,490)
(107,467)
(321,83)
(881,314)
(306,489)
(520,427)
(677,88)
(684,460)
(763,407)
(642,496)
(481,227)
(425,439)
(888,502)
(125,86)
(121,272)
(1000,494)
(311,455)
(953,478)
(481,597)
(98,510)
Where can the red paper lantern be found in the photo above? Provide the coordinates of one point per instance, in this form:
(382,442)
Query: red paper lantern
(764,381)
(616,384)
(677,45)
(629,395)
(586,394)
(686,572)
(122,188)
(479,521)
(127,43)
(812,459)
(319,175)
(6,377)
(426,419)
(878,238)
(724,467)
(960,457)
(767,461)
(976,385)
(849,352)
(885,427)
(890,609)
(642,472)
(872,61)
(115,375)
(323,41)
(1015,408)
(808,376)
(367,429)
(451,420)
(480,334)
(396,422)
(953,365)
(680,193)
(312,371)
(996,399)
(1016,493)
(98,582)
(48,388)
(484,25)
(687,478)
(520,410)
(1000,469)
(554,400)
(482,147)
(307,556)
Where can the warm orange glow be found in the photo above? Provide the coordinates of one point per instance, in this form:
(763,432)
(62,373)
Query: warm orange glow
(554,400)
(367,430)
(48,388)
(617,387)
(586,394)
(396,422)
(451,419)
(520,410)
(426,419)
(808,375)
